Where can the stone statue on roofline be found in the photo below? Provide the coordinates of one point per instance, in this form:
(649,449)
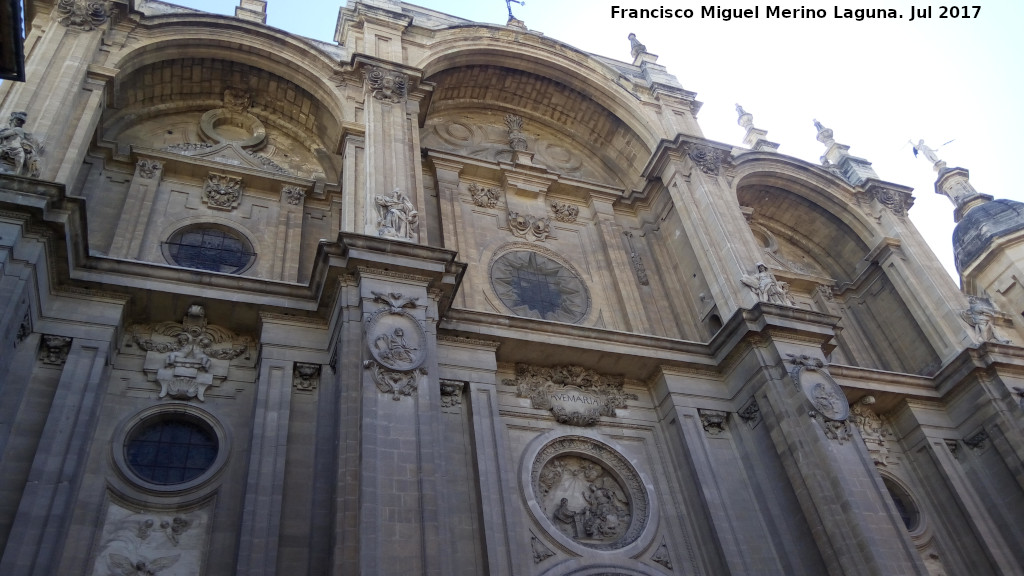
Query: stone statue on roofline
(766,287)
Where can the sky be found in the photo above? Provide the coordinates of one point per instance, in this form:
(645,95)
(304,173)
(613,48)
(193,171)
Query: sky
(877,83)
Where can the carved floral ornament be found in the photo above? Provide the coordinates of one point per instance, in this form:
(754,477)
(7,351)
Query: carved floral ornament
(222,192)
(386,85)
(189,357)
(586,492)
(398,345)
(575,395)
(709,160)
(895,201)
(149,168)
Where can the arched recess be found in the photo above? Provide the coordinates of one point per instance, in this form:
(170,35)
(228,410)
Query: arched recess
(816,237)
(568,95)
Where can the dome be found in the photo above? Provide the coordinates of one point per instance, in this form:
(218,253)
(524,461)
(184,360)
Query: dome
(983,224)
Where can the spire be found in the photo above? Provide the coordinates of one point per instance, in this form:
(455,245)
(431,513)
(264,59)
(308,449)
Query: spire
(252,10)
(837,158)
(636,48)
(755,137)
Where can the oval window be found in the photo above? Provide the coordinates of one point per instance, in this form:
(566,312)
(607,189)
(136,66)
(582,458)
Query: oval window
(213,248)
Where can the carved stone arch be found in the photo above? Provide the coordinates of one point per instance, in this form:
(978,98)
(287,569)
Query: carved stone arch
(196,37)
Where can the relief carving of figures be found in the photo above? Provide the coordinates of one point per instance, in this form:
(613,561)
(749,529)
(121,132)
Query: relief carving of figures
(187,358)
(19,149)
(980,317)
(575,395)
(396,216)
(592,505)
(222,192)
(148,168)
(293,195)
(767,289)
(386,85)
(565,212)
(82,14)
(516,139)
(638,263)
(821,390)
(526,226)
(398,345)
(484,197)
(150,543)
(872,429)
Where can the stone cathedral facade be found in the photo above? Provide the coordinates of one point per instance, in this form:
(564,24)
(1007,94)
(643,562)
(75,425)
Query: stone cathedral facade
(449,298)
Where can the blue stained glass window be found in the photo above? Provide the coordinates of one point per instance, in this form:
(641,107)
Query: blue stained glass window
(171,449)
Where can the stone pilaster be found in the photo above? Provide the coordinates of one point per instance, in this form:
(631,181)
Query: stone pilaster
(389,342)
(44,514)
(261,522)
(138,206)
(620,267)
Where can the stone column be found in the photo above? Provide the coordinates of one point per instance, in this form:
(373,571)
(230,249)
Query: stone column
(48,500)
(138,206)
(261,521)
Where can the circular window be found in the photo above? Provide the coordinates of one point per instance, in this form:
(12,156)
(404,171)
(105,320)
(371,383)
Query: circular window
(171,448)
(904,504)
(210,248)
(536,286)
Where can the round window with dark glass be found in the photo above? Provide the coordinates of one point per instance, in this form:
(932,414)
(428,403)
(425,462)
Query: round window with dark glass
(171,448)
(210,248)
(905,505)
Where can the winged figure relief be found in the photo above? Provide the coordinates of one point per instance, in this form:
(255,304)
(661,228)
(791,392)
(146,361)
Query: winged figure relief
(123,566)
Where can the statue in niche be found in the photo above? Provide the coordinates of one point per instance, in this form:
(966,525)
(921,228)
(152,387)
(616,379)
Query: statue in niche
(979,316)
(396,216)
(767,289)
(19,150)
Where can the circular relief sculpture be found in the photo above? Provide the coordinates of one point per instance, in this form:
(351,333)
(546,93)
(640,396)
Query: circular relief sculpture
(171,448)
(590,493)
(533,285)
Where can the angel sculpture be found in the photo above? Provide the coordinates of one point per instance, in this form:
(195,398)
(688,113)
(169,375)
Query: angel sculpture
(766,287)
(123,566)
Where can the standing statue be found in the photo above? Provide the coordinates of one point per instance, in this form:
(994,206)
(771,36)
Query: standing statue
(979,316)
(928,152)
(767,289)
(19,150)
(396,216)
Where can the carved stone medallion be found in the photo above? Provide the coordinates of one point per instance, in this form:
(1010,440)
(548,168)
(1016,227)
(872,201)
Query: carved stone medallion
(589,493)
(533,285)
(397,344)
(821,389)
(575,395)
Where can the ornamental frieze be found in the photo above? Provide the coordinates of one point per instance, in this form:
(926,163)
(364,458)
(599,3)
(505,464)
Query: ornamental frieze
(575,395)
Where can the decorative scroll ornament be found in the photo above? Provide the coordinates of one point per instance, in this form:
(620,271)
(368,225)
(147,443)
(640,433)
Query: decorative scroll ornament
(872,430)
(980,316)
(398,345)
(575,395)
(386,85)
(451,393)
(516,139)
(54,350)
(895,201)
(530,227)
(565,212)
(306,377)
(540,551)
(396,216)
(19,149)
(766,287)
(750,413)
(484,197)
(708,159)
(81,14)
(293,195)
(149,168)
(222,192)
(713,421)
(589,493)
(188,358)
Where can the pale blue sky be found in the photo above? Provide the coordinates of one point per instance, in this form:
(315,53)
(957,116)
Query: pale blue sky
(876,83)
